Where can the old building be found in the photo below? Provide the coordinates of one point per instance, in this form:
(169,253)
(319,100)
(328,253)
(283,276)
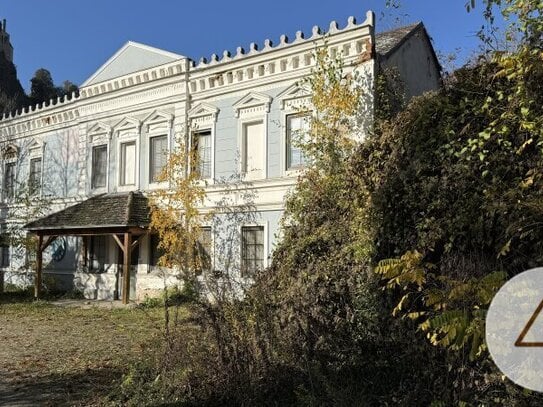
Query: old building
(99,152)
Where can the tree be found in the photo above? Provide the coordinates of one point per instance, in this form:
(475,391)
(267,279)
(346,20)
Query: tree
(68,88)
(21,205)
(42,88)
(455,190)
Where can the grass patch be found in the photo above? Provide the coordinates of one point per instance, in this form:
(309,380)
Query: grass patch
(70,356)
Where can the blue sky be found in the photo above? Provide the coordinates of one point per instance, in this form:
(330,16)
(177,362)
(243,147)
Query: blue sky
(72,38)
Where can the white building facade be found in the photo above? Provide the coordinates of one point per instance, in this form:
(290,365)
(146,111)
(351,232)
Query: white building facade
(240,110)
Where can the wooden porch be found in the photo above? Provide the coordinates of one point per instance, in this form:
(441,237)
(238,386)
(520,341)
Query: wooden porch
(124,217)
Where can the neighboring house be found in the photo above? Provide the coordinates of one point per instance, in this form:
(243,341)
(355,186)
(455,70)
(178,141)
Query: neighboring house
(103,149)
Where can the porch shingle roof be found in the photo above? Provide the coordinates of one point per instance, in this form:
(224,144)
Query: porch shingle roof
(101,211)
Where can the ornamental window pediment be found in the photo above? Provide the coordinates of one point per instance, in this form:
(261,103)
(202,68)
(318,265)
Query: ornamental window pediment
(127,126)
(203,115)
(252,103)
(295,97)
(158,120)
(99,133)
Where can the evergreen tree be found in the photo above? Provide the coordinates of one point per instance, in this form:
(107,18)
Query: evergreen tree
(42,88)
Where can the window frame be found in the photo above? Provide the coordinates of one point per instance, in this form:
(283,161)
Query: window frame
(199,131)
(120,142)
(5,196)
(211,249)
(265,260)
(37,191)
(203,117)
(289,169)
(253,107)
(295,99)
(152,249)
(150,138)
(242,145)
(3,250)
(3,266)
(92,254)
(93,148)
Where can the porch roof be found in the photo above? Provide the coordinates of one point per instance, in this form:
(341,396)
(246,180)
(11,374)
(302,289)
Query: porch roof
(118,211)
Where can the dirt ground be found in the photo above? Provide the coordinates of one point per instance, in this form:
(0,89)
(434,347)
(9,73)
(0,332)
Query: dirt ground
(53,355)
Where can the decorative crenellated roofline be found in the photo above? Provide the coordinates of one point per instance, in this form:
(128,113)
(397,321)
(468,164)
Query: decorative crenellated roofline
(122,82)
(179,67)
(51,103)
(316,33)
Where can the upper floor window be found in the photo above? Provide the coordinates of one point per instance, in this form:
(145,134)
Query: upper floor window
(9,180)
(297,131)
(252,249)
(34,179)
(202,147)
(252,150)
(158,156)
(99,166)
(128,163)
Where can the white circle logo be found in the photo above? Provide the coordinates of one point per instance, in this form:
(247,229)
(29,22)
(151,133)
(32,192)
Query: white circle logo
(514,329)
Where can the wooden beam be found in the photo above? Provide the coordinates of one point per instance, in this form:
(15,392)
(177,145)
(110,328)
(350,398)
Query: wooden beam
(136,242)
(126,267)
(49,240)
(39,264)
(118,241)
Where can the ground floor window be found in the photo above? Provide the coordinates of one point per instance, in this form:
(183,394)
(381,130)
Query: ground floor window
(155,253)
(205,250)
(97,253)
(4,256)
(252,249)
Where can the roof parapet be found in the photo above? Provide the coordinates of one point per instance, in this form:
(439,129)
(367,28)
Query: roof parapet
(54,102)
(316,33)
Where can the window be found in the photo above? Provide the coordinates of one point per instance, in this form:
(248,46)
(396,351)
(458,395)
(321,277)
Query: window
(155,253)
(158,156)
(99,166)
(253,150)
(34,179)
(4,246)
(297,130)
(4,253)
(9,180)
(97,253)
(252,249)
(128,163)
(202,147)
(204,250)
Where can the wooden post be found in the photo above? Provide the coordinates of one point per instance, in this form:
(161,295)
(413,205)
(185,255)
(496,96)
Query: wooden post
(85,252)
(126,266)
(39,265)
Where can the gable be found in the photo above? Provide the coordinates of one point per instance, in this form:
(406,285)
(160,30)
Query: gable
(132,57)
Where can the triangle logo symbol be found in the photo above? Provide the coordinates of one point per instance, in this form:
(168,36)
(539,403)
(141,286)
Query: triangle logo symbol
(520,342)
